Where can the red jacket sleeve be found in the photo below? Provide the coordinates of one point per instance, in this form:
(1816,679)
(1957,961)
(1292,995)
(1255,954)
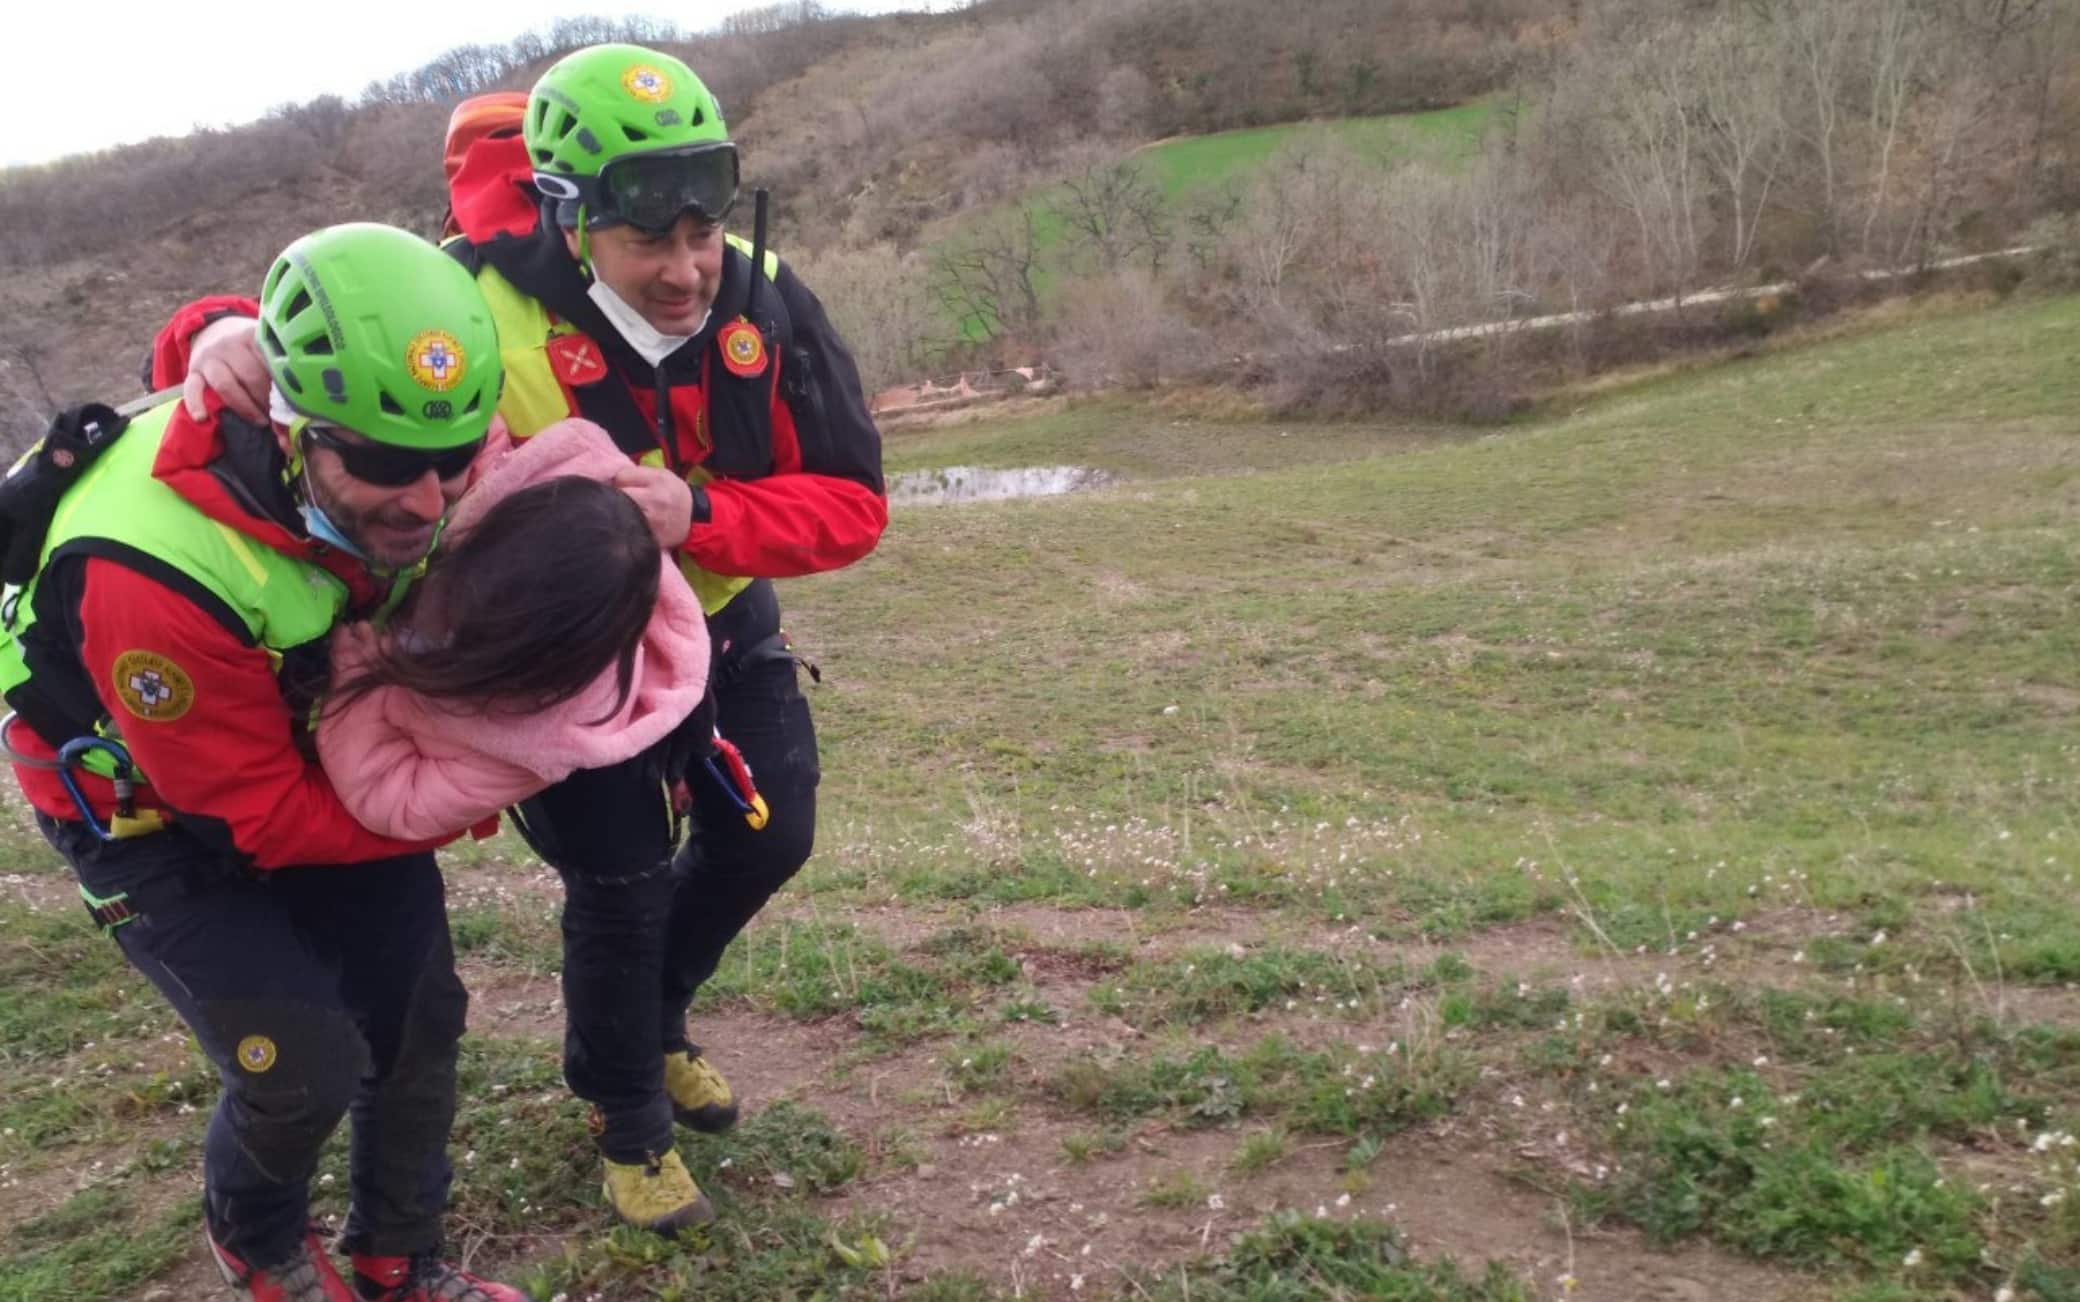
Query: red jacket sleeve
(205,722)
(786,526)
(169,361)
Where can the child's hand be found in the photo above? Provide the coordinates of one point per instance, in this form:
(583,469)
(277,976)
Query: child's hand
(664,499)
(354,645)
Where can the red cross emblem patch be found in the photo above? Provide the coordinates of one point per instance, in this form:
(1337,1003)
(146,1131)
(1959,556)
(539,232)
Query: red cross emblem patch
(577,360)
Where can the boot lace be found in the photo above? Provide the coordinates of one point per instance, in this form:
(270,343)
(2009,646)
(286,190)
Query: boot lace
(440,1282)
(302,1280)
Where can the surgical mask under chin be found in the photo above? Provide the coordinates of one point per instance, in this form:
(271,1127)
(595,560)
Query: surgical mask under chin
(652,344)
(315,522)
(321,529)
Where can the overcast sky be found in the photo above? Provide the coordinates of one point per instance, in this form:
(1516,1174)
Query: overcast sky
(87,75)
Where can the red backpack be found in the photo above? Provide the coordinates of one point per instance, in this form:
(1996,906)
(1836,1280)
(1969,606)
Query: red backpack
(490,180)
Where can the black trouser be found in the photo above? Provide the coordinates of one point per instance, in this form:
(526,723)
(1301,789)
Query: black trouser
(318,992)
(641,929)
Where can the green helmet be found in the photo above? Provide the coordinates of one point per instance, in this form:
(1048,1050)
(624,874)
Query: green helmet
(629,134)
(372,328)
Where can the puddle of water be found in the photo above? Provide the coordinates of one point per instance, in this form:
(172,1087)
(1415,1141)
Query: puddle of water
(991,484)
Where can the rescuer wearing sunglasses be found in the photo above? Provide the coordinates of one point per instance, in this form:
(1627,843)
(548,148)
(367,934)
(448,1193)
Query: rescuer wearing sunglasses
(162,663)
(593,219)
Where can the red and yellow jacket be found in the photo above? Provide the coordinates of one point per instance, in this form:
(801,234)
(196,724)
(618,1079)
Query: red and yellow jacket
(214,714)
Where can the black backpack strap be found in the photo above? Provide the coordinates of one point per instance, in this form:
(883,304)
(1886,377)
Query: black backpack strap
(29,495)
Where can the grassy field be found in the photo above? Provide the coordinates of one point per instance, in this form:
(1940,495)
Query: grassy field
(1190,162)
(1624,854)
(1189,168)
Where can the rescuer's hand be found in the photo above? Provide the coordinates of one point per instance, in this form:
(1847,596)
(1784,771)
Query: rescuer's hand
(225,359)
(665,500)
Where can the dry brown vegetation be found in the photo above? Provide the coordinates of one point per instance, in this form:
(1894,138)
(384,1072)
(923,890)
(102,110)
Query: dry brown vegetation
(1642,149)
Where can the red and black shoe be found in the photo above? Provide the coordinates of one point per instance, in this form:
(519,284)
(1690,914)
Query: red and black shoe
(424,1278)
(309,1276)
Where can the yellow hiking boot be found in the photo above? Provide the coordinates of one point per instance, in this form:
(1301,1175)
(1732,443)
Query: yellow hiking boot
(657,1195)
(700,1097)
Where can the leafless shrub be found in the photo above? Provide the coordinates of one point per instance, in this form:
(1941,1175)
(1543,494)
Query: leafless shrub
(1125,96)
(1122,329)
(881,302)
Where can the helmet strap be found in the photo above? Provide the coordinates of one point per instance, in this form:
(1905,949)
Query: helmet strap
(584,244)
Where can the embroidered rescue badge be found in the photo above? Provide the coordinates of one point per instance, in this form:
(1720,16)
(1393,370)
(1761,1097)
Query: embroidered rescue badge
(577,360)
(256,1053)
(152,687)
(434,358)
(647,84)
(743,349)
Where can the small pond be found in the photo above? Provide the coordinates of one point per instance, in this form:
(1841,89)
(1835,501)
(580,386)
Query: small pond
(991,483)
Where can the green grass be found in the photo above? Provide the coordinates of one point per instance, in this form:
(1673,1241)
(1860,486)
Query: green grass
(1295,1258)
(1751,688)
(1203,984)
(1343,1091)
(1193,162)
(1674,628)
(100,1243)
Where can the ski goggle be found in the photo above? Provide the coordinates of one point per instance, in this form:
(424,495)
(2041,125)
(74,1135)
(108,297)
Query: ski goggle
(384,465)
(650,191)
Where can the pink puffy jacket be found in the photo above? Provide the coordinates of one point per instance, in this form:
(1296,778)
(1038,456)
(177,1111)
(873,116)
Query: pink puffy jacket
(420,770)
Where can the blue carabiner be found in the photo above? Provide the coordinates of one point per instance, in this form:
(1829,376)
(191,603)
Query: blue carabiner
(69,756)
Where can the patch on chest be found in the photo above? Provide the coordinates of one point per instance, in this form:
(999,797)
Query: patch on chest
(743,349)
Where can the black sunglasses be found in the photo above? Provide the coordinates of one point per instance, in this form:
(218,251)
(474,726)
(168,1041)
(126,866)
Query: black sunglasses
(650,191)
(387,466)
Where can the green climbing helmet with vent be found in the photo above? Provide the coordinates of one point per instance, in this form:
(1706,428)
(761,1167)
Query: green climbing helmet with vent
(618,133)
(373,329)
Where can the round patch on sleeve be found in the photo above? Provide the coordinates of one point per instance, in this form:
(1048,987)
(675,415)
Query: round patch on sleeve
(256,1053)
(152,687)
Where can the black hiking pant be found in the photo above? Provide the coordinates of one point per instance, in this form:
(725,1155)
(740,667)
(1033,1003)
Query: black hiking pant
(643,927)
(319,993)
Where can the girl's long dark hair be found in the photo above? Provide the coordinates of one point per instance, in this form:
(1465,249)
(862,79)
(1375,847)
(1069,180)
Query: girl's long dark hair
(555,584)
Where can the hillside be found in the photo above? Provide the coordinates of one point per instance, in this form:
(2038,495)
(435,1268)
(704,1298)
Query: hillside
(1548,155)
(1620,855)
(864,127)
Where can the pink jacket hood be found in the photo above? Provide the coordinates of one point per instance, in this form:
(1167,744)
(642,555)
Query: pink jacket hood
(419,770)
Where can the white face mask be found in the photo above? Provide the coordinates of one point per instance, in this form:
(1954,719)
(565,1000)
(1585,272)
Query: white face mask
(649,342)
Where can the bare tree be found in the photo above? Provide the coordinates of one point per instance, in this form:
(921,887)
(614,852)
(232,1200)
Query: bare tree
(1115,214)
(1738,85)
(1206,217)
(1816,36)
(1650,153)
(986,279)
(1896,56)
(28,401)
